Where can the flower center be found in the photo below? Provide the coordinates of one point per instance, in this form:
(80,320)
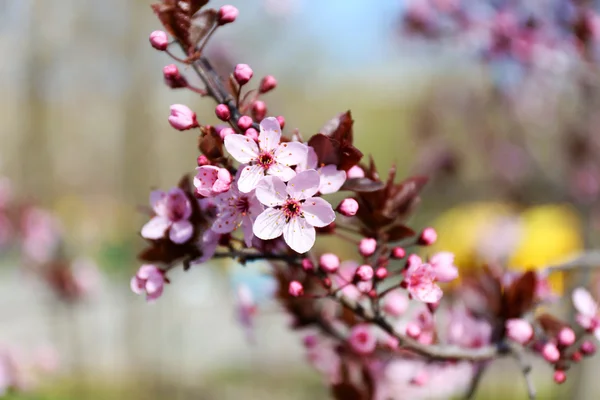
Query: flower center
(291,209)
(242,205)
(362,337)
(265,159)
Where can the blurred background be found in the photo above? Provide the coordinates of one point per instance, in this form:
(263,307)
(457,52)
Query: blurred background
(84,133)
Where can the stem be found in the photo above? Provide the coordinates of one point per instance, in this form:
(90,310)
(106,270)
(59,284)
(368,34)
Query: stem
(525,367)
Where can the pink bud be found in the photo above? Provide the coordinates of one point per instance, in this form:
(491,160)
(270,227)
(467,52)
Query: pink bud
(267,84)
(519,330)
(398,253)
(396,303)
(364,273)
(413,330)
(159,40)
(182,118)
(296,289)
(381,273)
(367,246)
(223,112)
(560,376)
(348,207)
(252,134)
(355,172)
(307,265)
(244,122)
(428,237)
(566,336)
(362,340)
(149,280)
(242,73)
(173,78)
(281,121)
(202,160)
(310,341)
(413,261)
(227,14)
(576,357)
(550,352)
(329,262)
(587,348)
(259,110)
(226,132)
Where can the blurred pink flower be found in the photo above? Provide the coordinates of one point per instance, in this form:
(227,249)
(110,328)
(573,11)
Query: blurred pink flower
(443,266)
(41,235)
(149,280)
(395,302)
(173,209)
(519,330)
(362,339)
(587,311)
(420,280)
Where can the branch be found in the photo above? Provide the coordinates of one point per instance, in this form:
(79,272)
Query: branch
(244,256)
(525,367)
(584,261)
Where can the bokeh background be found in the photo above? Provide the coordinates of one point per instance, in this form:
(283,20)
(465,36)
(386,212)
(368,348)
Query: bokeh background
(84,133)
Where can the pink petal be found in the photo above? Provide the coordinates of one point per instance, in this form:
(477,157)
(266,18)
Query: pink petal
(291,153)
(210,241)
(155,228)
(226,222)
(178,203)
(249,178)
(331,179)
(154,295)
(299,235)
(427,292)
(269,224)
(247,230)
(270,134)
(241,148)
(157,202)
(137,285)
(584,303)
(155,284)
(271,191)
(318,212)
(181,231)
(585,321)
(205,179)
(146,271)
(597,333)
(304,185)
(281,171)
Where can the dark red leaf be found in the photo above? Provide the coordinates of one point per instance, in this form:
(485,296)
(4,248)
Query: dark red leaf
(339,128)
(325,149)
(550,324)
(519,297)
(211,146)
(346,391)
(202,23)
(399,232)
(362,185)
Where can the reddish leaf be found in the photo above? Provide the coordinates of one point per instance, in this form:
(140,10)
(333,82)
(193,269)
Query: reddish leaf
(211,146)
(346,391)
(399,232)
(519,297)
(325,149)
(550,324)
(362,185)
(339,128)
(202,23)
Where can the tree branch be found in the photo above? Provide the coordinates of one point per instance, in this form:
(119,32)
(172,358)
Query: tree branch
(583,261)
(525,367)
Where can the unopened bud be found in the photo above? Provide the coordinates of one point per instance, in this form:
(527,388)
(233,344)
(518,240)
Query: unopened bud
(267,84)
(367,246)
(173,78)
(381,273)
(398,253)
(244,122)
(355,172)
(259,110)
(428,237)
(413,330)
(242,73)
(281,121)
(252,134)
(202,160)
(519,330)
(348,207)
(222,112)
(560,376)
(329,262)
(296,289)
(227,14)
(364,273)
(550,352)
(587,348)
(566,336)
(226,132)
(182,118)
(159,40)
(307,265)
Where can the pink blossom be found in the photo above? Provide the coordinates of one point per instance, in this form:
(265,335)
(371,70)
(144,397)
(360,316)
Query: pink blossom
(242,73)
(428,237)
(519,330)
(367,246)
(560,376)
(182,118)
(149,280)
(362,340)
(267,84)
(159,40)
(331,178)
(292,211)
(295,289)
(364,273)
(227,14)
(395,302)
(246,309)
(587,311)
(173,209)
(267,157)
(244,122)
(41,235)
(420,279)
(222,112)
(208,246)
(443,266)
(348,207)
(398,253)
(345,279)
(550,352)
(467,331)
(329,262)
(566,336)
(211,180)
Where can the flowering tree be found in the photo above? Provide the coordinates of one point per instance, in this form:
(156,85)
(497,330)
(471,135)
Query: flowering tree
(382,326)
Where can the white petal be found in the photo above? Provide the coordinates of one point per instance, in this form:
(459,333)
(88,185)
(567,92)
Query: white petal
(584,303)
(280,170)
(331,179)
(241,148)
(597,333)
(155,228)
(271,191)
(249,178)
(270,134)
(304,185)
(318,212)
(299,235)
(269,224)
(291,153)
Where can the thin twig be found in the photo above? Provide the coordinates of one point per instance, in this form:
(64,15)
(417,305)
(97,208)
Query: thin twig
(525,367)
(584,261)
(475,381)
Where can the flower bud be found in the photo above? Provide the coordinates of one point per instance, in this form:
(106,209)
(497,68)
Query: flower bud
(576,357)
(519,330)
(310,341)
(182,118)
(159,40)
(202,160)
(560,376)
(222,112)
(428,237)
(244,122)
(252,134)
(413,330)
(396,303)
(348,207)
(329,262)
(259,110)
(364,273)
(281,121)
(550,352)
(226,132)
(296,289)
(566,336)
(227,14)
(355,172)
(267,84)
(173,78)
(587,348)
(307,265)
(367,246)
(242,73)
(381,273)
(398,253)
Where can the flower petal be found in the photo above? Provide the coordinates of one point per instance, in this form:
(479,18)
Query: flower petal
(291,153)
(205,179)
(318,212)
(242,148)
(331,179)
(247,230)
(304,185)
(155,228)
(270,134)
(584,303)
(299,235)
(181,231)
(282,171)
(271,191)
(137,285)
(226,222)
(249,178)
(427,293)
(210,241)
(157,201)
(269,224)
